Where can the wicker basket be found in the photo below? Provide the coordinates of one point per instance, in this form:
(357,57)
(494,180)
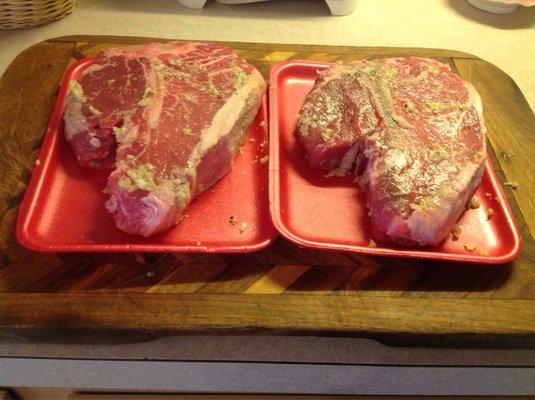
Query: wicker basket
(16,14)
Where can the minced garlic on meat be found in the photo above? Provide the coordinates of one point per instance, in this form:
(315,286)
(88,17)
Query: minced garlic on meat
(146,99)
(76,90)
(327,134)
(437,153)
(475,202)
(140,177)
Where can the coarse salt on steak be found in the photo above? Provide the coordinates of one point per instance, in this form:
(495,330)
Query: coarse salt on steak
(412,130)
(169,117)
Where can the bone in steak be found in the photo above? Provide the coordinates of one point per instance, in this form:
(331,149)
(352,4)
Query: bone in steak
(169,117)
(412,130)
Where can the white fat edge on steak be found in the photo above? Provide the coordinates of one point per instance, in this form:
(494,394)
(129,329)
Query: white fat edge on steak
(475,101)
(224,120)
(75,121)
(230,142)
(153,95)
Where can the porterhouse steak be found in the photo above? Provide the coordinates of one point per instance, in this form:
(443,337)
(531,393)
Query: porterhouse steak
(168,117)
(413,132)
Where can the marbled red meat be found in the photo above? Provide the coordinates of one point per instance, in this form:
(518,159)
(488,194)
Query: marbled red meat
(412,130)
(169,117)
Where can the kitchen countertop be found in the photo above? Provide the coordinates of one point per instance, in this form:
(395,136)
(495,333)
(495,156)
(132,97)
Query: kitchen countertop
(505,40)
(259,364)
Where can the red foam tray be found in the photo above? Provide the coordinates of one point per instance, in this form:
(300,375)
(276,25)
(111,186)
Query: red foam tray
(63,207)
(330,213)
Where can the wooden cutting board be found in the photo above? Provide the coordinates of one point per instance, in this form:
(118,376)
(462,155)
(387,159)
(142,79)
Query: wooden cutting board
(284,288)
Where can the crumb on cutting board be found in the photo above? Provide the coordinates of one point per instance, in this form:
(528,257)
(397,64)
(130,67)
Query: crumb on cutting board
(513,184)
(232,220)
(264,159)
(488,195)
(243,227)
(150,274)
(372,243)
(490,213)
(37,162)
(484,251)
(139,258)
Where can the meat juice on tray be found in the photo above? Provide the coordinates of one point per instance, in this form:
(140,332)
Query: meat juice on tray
(413,133)
(169,118)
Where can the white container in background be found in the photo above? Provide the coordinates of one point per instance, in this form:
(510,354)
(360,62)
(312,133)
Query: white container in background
(337,7)
(495,7)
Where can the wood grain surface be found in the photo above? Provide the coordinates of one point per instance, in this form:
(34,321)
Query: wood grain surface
(283,288)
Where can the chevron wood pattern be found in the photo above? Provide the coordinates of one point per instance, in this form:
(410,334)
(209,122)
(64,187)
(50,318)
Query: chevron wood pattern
(283,288)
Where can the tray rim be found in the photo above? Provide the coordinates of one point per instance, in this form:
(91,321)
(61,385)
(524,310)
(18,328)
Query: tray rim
(275,202)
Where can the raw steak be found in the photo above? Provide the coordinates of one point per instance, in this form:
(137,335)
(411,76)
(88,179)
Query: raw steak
(413,132)
(170,118)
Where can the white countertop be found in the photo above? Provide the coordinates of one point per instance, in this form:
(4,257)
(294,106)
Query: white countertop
(505,40)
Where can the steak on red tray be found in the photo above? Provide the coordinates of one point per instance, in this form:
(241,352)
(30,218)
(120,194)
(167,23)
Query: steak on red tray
(413,133)
(168,117)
